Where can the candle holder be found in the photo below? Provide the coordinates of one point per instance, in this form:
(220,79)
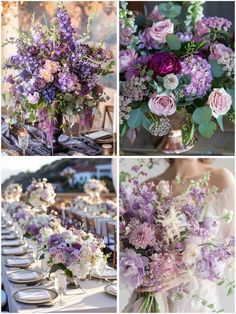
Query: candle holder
(23,139)
(107,148)
(174,143)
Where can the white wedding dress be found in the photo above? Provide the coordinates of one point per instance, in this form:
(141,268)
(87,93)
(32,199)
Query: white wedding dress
(206,289)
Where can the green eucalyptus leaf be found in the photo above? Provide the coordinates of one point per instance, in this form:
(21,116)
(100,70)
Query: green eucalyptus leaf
(123,176)
(207,129)
(216,69)
(173,42)
(202,115)
(220,122)
(231,92)
(147,123)
(136,117)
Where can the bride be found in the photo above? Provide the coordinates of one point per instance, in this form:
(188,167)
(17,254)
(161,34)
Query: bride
(179,174)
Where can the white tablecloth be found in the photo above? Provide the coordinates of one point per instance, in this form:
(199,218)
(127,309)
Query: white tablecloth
(94,300)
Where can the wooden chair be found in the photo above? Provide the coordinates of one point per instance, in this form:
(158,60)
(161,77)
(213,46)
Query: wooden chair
(111,236)
(91,226)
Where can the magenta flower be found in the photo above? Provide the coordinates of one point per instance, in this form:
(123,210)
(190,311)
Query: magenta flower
(163,63)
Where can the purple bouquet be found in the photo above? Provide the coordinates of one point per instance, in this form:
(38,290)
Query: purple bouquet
(58,73)
(175,73)
(169,239)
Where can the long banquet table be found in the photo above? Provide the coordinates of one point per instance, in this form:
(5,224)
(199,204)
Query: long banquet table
(95,300)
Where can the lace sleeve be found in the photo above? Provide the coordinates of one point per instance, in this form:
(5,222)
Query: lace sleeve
(224,200)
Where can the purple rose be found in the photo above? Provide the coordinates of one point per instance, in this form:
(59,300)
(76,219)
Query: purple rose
(39,84)
(126,57)
(132,267)
(163,63)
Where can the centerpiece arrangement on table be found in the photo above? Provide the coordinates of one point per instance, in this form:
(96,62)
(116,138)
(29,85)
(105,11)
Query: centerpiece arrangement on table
(175,74)
(73,251)
(58,73)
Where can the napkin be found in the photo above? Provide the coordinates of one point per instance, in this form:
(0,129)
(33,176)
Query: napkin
(38,295)
(13,251)
(12,242)
(113,289)
(109,273)
(18,261)
(24,275)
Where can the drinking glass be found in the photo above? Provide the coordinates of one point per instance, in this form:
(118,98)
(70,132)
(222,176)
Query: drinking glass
(60,285)
(23,142)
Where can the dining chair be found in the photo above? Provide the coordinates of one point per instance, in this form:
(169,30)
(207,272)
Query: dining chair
(111,236)
(91,226)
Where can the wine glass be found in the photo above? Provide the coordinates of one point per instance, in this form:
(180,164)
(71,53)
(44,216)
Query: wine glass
(60,284)
(100,269)
(23,141)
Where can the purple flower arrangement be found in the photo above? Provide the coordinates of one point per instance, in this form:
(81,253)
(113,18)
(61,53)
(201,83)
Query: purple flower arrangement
(171,67)
(164,236)
(57,74)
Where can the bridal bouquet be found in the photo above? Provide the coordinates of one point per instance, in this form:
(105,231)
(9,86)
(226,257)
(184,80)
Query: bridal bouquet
(41,193)
(13,192)
(175,73)
(57,74)
(166,241)
(94,186)
(75,252)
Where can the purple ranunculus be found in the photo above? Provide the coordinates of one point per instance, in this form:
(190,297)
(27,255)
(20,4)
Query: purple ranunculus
(163,63)
(39,84)
(132,267)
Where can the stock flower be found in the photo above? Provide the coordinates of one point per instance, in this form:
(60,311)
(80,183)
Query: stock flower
(132,267)
(126,57)
(219,101)
(162,105)
(161,29)
(163,63)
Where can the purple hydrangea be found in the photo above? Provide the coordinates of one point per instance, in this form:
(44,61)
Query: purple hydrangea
(126,34)
(67,81)
(201,78)
(132,267)
(136,66)
(184,36)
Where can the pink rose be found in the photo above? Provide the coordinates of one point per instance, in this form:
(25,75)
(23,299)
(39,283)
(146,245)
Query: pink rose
(219,50)
(161,29)
(162,104)
(126,57)
(219,102)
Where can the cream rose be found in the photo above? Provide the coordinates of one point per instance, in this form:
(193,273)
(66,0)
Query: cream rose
(52,66)
(161,29)
(163,188)
(191,253)
(46,75)
(162,105)
(219,101)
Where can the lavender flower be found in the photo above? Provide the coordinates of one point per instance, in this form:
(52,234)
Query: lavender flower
(132,267)
(66,30)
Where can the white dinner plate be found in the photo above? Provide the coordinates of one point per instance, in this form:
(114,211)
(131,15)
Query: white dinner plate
(52,293)
(108,289)
(24,280)
(109,273)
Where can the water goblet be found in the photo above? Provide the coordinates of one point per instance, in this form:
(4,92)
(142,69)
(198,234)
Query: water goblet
(60,284)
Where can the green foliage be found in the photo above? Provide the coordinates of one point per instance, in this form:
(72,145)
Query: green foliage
(147,123)
(194,14)
(136,117)
(56,267)
(126,16)
(207,129)
(231,92)
(173,42)
(216,69)
(123,176)
(185,79)
(220,122)
(202,115)
(170,10)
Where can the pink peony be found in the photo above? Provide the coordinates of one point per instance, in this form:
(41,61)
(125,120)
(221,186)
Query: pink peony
(161,29)
(162,105)
(219,101)
(219,50)
(126,57)
(142,236)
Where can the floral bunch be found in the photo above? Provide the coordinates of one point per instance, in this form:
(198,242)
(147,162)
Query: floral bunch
(175,74)
(23,217)
(93,187)
(41,193)
(57,73)
(165,236)
(13,192)
(76,252)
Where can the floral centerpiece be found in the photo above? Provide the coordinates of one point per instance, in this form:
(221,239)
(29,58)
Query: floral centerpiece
(169,239)
(41,194)
(75,252)
(93,186)
(23,217)
(13,192)
(57,74)
(175,73)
